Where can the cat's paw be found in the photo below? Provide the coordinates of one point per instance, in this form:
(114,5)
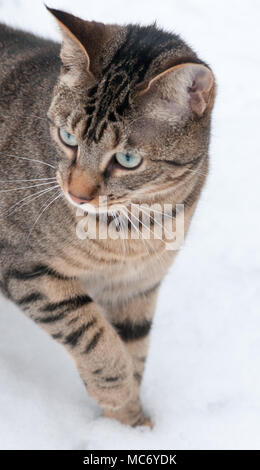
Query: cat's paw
(112,387)
(144,421)
(113,397)
(130,416)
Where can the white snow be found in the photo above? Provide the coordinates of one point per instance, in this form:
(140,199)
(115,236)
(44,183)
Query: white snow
(201,384)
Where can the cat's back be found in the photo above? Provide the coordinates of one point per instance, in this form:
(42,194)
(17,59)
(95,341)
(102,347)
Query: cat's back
(29,67)
(24,60)
(14,44)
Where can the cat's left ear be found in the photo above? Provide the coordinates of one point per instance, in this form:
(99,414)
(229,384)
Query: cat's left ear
(82,42)
(183,89)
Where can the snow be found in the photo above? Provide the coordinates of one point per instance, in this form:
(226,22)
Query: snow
(201,384)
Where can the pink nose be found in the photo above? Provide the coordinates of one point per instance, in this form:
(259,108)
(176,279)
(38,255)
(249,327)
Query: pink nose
(79,199)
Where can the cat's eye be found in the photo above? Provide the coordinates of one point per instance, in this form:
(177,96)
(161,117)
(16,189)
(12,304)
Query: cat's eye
(128,160)
(67,138)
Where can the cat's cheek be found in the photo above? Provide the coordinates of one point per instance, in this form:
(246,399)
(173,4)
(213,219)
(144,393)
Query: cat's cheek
(60,180)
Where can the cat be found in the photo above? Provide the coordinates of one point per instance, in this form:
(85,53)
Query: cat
(123,115)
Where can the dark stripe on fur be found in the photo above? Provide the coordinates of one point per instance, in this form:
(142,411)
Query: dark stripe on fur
(97,371)
(112,379)
(71,304)
(27,299)
(73,320)
(39,270)
(57,336)
(51,319)
(93,343)
(152,289)
(137,377)
(129,331)
(73,338)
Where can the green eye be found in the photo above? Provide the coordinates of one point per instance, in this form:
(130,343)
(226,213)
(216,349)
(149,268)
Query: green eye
(67,138)
(128,160)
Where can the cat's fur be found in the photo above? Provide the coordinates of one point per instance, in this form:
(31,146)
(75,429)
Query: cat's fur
(120,88)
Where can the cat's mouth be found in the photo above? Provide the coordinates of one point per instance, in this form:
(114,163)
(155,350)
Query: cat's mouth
(99,205)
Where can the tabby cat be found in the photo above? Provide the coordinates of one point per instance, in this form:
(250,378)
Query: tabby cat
(123,117)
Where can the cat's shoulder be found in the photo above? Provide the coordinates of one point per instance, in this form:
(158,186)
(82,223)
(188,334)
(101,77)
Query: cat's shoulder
(23,39)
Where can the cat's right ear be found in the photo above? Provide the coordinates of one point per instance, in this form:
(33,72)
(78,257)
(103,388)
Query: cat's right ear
(181,90)
(82,43)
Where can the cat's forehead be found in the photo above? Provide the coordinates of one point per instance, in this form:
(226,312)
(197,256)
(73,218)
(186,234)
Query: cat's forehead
(110,97)
(108,100)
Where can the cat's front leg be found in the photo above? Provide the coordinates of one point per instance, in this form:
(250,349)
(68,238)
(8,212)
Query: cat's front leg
(63,309)
(133,320)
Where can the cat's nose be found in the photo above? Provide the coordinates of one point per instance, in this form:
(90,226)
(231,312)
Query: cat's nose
(82,187)
(79,199)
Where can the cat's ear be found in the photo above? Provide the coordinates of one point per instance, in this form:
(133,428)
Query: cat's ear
(183,89)
(82,41)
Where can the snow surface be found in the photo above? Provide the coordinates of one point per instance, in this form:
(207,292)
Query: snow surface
(201,384)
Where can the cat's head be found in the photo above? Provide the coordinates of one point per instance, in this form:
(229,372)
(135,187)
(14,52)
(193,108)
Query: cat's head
(130,114)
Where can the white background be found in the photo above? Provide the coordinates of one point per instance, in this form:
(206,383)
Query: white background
(201,384)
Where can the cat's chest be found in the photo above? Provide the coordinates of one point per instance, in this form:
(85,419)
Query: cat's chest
(109,274)
(124,280)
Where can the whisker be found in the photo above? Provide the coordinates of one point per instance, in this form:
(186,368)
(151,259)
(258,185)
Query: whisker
(45,208)
(25,158)
(149,244)
(197,172)
(31,198)
(138,231)
(145,241)
(156,221)
(139,221)
(121,223)
(38,117)
(154,210)
(160,259)
(124,224)
(161,213)
(28,117)
(25,187)
(24,181)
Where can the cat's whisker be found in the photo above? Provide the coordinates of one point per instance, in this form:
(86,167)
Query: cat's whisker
(155,252)
(26,187)
(156,221)
(31,180)
(117,223)
(141,222)
(154,210)
(58,194)
(149,229)
(26,158)
(126,215)
(149,244)
(31,198)
(29,117)
(196,172)
(123,223)
(115,215)
(137,230)
(39,117)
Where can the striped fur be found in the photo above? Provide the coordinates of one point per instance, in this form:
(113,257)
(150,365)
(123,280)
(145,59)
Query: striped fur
(97,297)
